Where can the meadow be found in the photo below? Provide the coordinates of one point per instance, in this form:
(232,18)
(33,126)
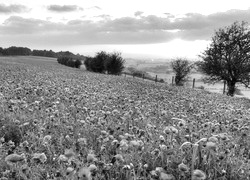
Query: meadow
(58,122)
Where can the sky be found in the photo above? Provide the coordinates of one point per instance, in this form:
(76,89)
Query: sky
(136,28)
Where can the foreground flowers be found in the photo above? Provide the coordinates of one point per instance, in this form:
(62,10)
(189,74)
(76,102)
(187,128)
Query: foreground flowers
(72,124)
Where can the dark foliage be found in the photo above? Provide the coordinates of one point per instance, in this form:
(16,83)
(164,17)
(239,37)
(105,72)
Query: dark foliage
(114,64)
(23,51)
(103,62)
(228,56)
(15,51)
(181,67)
(44,53)
(69,61)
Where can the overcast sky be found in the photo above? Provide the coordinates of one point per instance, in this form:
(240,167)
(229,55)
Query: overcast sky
(137,28)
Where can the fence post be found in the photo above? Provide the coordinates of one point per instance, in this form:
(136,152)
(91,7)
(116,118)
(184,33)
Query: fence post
(143,76)
(224,88)
(172,80)
(156,78)
(193,82)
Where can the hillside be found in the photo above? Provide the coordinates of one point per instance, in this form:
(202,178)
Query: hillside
(62,119)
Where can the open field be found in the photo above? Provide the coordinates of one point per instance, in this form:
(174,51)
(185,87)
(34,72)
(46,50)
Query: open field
(67,123)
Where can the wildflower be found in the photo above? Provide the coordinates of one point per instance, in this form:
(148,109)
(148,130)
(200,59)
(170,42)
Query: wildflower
(126,167)
(14,158)
(40,156)
(135,143)
(84,174)
(82,141)
(124,144)
(91,158)
(105,140)
(69,153)
(104,133)
(46,139)
(119,158)
(183,167)
(163,147)
(115,112)
(164,176)
(114,142)
(170,129)
(93,169)
(211,145)
(155,152)
(103,148)
(213,139)
(198,175)
(25,144)
(154,174)
(162,139)
(69,170)
(62,158)
(159,169)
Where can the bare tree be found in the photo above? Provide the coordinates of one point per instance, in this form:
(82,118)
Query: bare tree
(228,56)
(181,67)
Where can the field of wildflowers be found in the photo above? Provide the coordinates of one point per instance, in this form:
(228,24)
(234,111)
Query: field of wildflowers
(57,122)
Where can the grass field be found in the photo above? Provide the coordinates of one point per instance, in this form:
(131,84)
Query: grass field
(58,122)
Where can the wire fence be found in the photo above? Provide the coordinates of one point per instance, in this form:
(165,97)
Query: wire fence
(191,83)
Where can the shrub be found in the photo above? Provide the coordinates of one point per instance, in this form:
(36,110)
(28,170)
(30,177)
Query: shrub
(78,63)
(114,64)
(97,63)
(105,62)
(69,61)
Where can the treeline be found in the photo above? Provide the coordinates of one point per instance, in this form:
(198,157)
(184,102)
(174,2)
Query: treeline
(103,62)
(24,51)
(14,51)
(69,61)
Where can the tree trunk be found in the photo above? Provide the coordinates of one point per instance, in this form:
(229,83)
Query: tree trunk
(231,88)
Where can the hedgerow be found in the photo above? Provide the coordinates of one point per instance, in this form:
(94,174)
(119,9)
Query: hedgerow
(69,61)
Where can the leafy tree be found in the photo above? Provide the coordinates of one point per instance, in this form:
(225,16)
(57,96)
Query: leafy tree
(16,51)
(114,64)
(97,63)
(228,56)
(78,63)
(87,63)
(181,67)
(1,51)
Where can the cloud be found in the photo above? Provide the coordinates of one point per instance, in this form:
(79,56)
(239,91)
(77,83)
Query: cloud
(126,30)
(138,13)
(64,8)
(95,7)
(13,8)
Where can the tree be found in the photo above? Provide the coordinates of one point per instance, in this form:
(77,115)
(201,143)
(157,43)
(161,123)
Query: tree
(228,56)
(181,67)
(97,63)
(114,64)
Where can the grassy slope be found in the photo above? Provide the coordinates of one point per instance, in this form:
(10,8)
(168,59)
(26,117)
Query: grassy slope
(69,104)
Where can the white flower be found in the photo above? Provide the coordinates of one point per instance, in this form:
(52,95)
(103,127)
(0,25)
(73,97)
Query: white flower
(40,156)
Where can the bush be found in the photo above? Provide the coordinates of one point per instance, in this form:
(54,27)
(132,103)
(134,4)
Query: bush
(69,61)
(104,62)
(114,64)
